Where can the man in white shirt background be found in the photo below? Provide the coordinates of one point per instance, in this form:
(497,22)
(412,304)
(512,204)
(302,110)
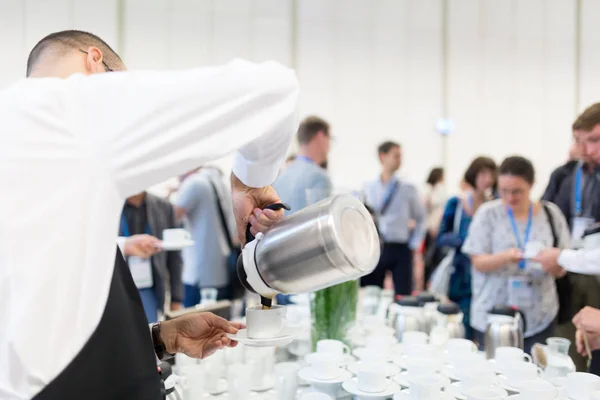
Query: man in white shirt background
(87,139)
(397,203)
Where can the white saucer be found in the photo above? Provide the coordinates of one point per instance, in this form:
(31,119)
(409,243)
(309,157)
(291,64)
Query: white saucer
(402,379)
(390,369)
(173,246)
(361,351)
(504,384)
(221,387)
(351,386)
(348,358)
(242,337)
(306,375)
(449,372)
(405,395)
(455,389)
(497,367)
(267,383)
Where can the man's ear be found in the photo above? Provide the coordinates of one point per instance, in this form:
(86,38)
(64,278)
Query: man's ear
(94,60)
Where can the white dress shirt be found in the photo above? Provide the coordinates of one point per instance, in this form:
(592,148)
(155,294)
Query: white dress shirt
(581,261)
(72,150)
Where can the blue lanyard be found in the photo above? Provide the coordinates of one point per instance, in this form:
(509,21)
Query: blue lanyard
(125,226)
(578,206)
(304,158)
(390,190)
(513,222)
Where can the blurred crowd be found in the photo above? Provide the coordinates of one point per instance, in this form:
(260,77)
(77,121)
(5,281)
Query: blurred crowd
(503,245)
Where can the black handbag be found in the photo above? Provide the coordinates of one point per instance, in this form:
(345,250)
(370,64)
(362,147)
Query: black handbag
(236,288)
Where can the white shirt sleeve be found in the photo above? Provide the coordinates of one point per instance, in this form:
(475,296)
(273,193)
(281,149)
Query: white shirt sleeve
(121,243)
(150,126)
(582,261)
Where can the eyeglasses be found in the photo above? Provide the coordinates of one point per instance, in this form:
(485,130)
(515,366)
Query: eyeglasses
(108,69)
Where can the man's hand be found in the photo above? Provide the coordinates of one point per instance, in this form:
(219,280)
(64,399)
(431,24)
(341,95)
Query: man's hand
(588,320)
(248,204)
(141,246)
(198,335)
(176,305)
(549,260)
(593,341)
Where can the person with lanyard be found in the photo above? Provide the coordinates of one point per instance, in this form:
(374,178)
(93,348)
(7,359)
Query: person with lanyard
(586,259)
(481,178)
(74,325)
(396,204)
(503,236)
(146,214)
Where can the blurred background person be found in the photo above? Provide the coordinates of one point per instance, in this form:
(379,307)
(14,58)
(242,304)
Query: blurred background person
(480,178)
(201,200)
(498,237)
(396,203)
(147,214)
(434,198)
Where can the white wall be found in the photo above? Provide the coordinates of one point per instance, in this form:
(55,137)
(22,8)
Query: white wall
(511,74)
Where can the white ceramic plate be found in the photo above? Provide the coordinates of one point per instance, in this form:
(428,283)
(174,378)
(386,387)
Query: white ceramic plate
(242,337)
(504,384)
(405,395)
(173,246)
(455,389)
(390,369)
(402,379)
(351,386)
(306,374)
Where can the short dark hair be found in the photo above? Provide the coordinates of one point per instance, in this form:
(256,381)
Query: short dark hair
(518,166)
(386,147)
(589,118)
(435,176)
(478,165)
(576,125)
(310,127)
(60,43)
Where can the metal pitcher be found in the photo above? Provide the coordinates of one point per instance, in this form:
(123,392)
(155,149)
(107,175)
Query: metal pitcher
(451,319)
(505,328)
(324,244)
(430,304)
(406,315)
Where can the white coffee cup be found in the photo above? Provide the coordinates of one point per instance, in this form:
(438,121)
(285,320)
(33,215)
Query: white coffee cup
(486,393)
(371,377)
(193,380)
(581,384)
(260,361)
(264,324)
(380,342)
(462,359)
(519,371)
(477,378)
(427,387)
(456,346)
(537,390)
(239,378)
(332,346)
(324,366)
(413,337)
(377,356)
(175,235)
(422,366)
(421,350)
(505,355)
(286,380)
(475,368)
(595,395)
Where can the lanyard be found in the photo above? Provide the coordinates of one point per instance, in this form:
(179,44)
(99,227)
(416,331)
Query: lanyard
(125,226)
(304,158)
(513,222)
(388,195)
(578,206)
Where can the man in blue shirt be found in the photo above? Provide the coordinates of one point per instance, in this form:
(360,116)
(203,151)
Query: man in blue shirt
(396,204)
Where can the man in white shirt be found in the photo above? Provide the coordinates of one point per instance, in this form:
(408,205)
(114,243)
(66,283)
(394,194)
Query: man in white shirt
(73,325)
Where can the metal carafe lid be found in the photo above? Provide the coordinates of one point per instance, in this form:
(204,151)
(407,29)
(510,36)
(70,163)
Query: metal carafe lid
(449,309)
(409,301)
(426,297)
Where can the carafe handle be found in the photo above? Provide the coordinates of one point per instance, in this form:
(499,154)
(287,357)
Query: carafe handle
(274,207)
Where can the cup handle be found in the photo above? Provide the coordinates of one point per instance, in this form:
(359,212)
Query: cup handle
(346,349)
(527,357)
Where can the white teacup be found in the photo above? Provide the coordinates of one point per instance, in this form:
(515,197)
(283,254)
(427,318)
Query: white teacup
(456,346)
(239,378)
(519,371)
(286,380)
(427,387)
(580,385)
(537,390)
(463,359)
(477,378)
(324,366)
(380,342)
(485,393)
(464,370)
(175,235)
(264,324)
(422,366)
(410,338)
(506,355)
(371,377)
(376,356)
(331,346)
(421,350)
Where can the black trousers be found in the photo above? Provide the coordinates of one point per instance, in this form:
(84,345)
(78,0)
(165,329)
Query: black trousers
(395,257)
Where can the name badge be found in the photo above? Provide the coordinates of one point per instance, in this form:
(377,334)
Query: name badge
(141,271)
(580,225)
(520,291)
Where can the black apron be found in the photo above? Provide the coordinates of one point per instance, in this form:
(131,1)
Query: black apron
(118,361)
